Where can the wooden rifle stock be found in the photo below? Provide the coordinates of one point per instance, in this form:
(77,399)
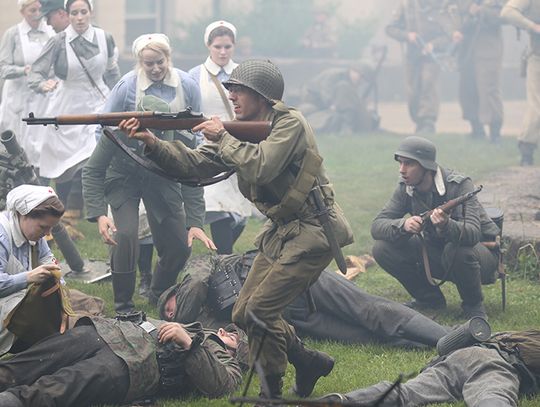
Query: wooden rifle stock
(452,203)
(250,131)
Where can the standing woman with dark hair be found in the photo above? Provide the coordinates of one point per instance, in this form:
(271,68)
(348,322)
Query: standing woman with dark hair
(25,257)
(20,46)
(84,58)
(226,208)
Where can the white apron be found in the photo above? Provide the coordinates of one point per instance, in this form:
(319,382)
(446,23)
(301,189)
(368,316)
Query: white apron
(225,195)
(7,304)
(67,146)
(18,99)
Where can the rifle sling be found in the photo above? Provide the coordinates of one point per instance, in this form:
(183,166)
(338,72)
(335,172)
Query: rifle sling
(425,259)
(224,99)
(92,82)
(156,169)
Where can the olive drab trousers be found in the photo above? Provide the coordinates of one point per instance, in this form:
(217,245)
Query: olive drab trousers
(268,289)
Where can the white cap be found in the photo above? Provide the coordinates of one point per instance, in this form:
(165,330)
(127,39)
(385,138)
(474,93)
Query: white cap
(26,197)
(145,39)
(212,26)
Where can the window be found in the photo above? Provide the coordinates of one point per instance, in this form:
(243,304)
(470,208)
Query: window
(143,16)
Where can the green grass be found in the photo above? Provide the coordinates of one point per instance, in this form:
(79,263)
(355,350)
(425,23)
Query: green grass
(364,175)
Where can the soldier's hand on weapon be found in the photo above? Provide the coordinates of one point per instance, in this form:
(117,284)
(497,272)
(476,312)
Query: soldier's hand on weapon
(173,331)
(49,85)
(457,37)
(414,224)
(439,218)
(198,233)
(428,49)
(106,224)
(132,128)
(211,129)
(474,9)
(41,273)
(412,37)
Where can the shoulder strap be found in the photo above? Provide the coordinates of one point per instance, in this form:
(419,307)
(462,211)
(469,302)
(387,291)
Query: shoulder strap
(94,84)
(224,99)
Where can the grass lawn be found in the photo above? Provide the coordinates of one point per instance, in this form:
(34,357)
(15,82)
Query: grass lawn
(364,175)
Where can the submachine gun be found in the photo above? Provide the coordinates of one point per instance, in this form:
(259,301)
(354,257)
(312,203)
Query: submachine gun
(15,170)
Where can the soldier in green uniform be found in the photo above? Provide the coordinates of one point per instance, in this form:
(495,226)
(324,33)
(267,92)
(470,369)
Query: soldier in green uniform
(480,62)
(423,25)
(105,361)
(525,14)
(277,175)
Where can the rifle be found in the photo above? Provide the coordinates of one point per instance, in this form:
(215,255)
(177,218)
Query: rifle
(15,170)
(250,131)
(447,207)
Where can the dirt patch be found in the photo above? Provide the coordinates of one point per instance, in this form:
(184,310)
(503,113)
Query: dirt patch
(515,190)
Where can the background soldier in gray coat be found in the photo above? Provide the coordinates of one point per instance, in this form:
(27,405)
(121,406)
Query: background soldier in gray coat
(480,63)
(525,14)
(424,26)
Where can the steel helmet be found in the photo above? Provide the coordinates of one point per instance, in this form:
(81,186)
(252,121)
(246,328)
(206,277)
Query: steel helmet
(262,76)
(419,149)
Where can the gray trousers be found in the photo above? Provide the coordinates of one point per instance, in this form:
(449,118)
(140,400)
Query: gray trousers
(422,90)
(170,241)
(471,374)
(468,268)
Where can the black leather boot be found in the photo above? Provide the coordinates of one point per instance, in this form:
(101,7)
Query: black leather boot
(272,389)
(310,365)
(423,330)
(527,153)
(123,288)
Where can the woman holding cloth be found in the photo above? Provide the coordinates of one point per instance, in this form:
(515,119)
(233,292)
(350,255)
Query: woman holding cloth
(84,61)
(226,208)
(25,258)
(175,212)
(20,46)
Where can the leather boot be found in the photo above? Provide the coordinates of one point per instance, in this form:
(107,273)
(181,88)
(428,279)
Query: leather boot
(123,288)
(495,132)
(273,390)
(310,365)
(527,153)
(423,330)
(477,130)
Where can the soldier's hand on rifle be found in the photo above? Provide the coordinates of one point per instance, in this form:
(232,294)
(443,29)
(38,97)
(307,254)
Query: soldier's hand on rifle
(132,128)
(198,233)
(413,224)
(173,331)
(49,85)
(439,218)
(41,273)
(211,129)
(457,37)
(428,49)
(106,224)
(412,37)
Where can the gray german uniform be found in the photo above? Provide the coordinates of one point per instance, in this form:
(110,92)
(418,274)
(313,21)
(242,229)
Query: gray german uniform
(480,57)
(467,226)
(429,19)
(168,369)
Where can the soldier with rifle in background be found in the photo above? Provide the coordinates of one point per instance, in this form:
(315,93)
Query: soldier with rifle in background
(479,37)
(525,14)
(432,242)
(424,26)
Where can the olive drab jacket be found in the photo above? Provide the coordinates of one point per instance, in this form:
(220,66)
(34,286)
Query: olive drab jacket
(388,224)
(208,368)
(276,175)
(428,18)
